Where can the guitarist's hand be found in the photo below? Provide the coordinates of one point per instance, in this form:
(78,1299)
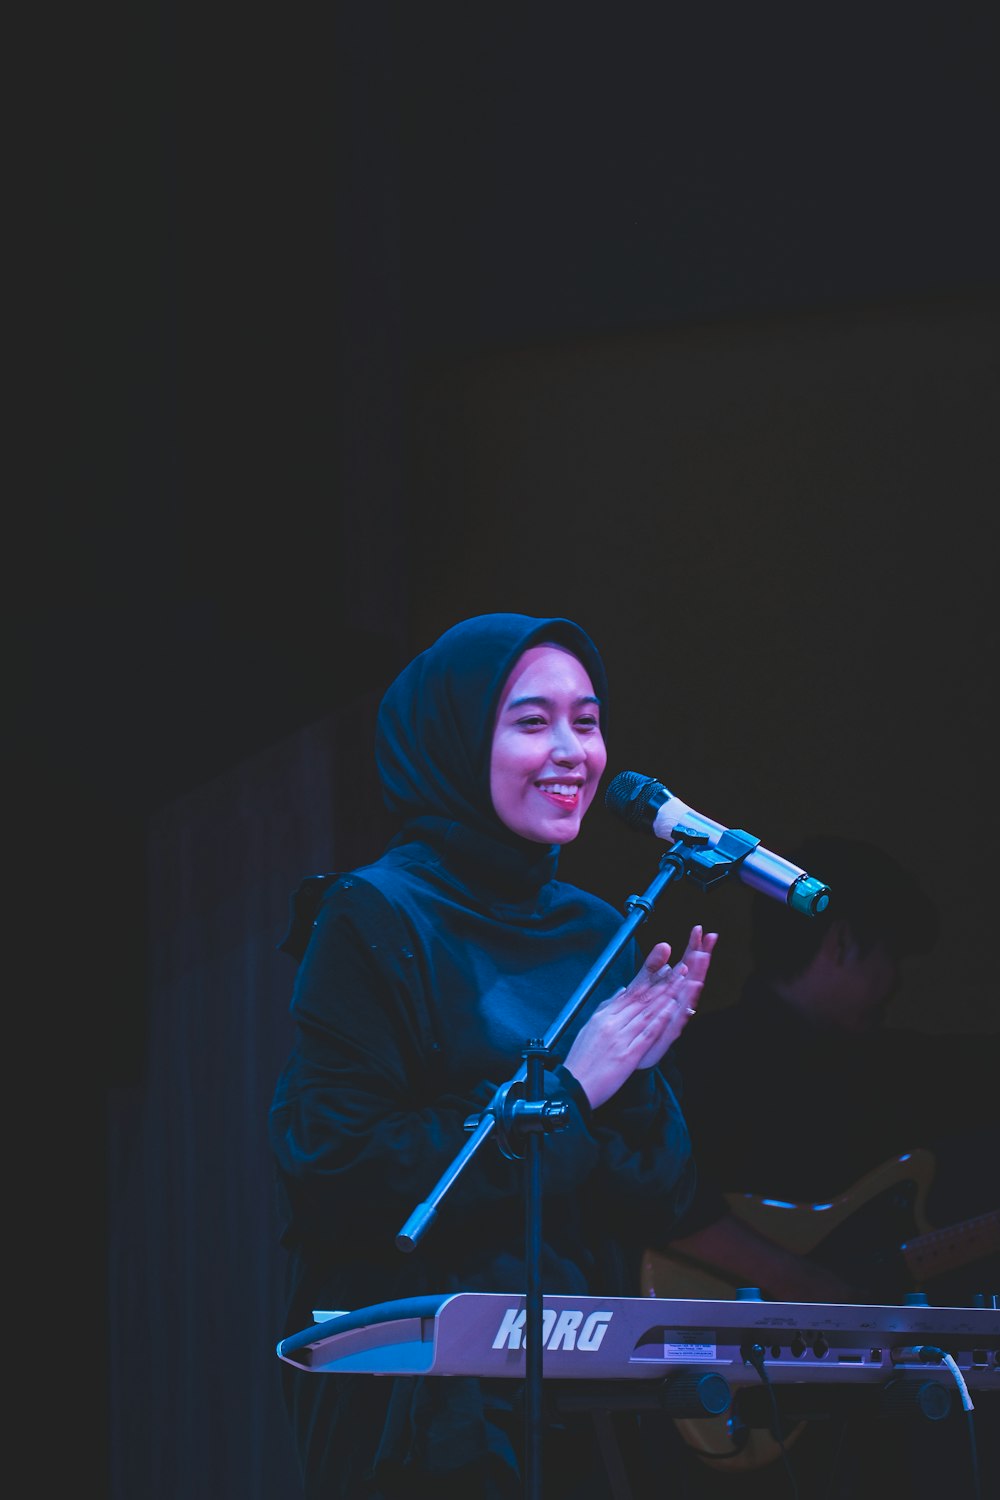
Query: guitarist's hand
(747,1258)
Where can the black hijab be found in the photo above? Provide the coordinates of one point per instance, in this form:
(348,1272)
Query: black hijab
(434,732)
(433,739)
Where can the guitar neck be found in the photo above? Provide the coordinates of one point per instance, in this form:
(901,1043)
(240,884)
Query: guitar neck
(939,1250)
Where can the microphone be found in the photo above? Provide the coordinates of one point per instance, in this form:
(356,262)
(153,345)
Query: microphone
(643,802)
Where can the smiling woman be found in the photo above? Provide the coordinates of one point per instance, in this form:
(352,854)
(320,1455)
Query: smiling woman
(424,976)
(548,751)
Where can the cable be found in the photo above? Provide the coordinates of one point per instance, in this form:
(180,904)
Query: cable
(753,1354)
(927,1352)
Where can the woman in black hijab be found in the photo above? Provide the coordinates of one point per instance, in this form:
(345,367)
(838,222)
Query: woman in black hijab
(423,977)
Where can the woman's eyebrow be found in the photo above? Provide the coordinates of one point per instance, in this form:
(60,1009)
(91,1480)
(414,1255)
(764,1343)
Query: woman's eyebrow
(547,702)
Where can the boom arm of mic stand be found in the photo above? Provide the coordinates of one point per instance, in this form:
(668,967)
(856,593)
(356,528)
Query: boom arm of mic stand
(672,865)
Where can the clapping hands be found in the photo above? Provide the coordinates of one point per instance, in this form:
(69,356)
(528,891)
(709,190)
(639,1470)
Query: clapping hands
(635,1028)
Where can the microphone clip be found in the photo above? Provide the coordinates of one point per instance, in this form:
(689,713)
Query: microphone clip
(708,864)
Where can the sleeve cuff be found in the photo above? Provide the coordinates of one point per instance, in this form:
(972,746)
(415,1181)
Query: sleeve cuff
(571,1086)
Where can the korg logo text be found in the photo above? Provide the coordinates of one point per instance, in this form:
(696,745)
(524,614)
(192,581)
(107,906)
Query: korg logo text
(560,1330)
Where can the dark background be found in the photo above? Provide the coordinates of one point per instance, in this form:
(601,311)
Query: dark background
(271,229)
(356,319)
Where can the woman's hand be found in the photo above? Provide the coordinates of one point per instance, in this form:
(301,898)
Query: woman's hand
(634,1028)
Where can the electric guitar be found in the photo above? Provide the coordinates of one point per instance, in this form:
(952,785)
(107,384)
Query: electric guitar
(877,1234)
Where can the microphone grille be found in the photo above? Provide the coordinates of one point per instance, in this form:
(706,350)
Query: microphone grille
(636,798)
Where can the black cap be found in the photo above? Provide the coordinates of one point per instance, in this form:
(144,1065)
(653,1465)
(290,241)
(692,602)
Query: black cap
(869,888)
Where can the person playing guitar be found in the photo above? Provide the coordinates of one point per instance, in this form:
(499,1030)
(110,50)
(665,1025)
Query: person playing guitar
(840,1159)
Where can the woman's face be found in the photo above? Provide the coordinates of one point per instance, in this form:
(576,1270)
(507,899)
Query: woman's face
(548,751)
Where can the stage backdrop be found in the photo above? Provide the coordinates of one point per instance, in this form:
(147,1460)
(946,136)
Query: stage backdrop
(194,1268)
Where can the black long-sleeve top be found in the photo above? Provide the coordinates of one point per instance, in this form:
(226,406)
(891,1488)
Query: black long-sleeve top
(425,976)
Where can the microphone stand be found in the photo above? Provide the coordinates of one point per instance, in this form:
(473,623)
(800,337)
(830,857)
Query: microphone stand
(519,1107)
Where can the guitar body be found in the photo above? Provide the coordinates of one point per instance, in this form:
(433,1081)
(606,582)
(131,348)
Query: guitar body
(876,1234)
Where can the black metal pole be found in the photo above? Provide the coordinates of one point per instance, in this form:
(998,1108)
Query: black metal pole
(523,1111)
(672,865)
(533,1303)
